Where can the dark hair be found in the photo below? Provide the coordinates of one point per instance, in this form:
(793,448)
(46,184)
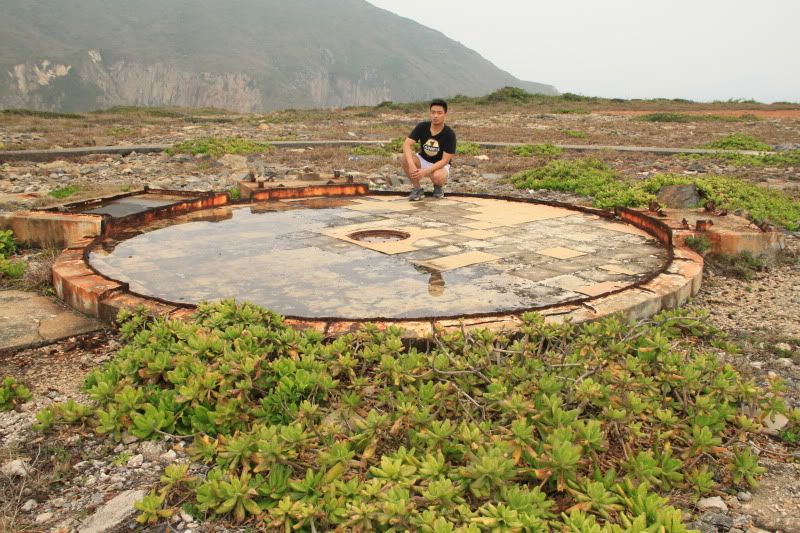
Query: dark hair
(440,102)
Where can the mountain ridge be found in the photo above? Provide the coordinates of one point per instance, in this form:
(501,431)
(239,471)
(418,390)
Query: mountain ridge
(243,55)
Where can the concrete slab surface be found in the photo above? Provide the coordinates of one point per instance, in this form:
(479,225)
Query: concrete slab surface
(29,319)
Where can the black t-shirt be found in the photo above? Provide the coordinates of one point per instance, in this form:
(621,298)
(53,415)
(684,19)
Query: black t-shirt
(432,146)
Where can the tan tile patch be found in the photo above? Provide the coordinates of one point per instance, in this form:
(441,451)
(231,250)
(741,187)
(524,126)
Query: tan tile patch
(479,234)
(362,205)
(618,269)
(451,262)
(567,282)
(501,214)
(559,252)
(597,289)
(480,225)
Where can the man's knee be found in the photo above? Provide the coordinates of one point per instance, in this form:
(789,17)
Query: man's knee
(440,176)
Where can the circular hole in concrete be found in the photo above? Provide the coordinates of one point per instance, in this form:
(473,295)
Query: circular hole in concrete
(379,235)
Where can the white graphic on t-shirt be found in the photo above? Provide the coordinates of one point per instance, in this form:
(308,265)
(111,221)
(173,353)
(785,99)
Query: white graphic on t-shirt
(431,147)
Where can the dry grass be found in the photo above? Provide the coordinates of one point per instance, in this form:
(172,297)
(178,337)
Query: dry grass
(49,463)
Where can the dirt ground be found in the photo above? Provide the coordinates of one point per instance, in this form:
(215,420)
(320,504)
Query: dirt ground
(760,314)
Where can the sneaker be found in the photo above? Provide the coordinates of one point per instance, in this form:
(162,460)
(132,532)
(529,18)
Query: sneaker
(438,192)
(416,194)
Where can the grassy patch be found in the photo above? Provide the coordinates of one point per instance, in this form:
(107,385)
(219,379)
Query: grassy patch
(575,134)
(468,148)
(478,432)
(537,150)
(383,150)
(682,117)
(700,244)
(219,146)
(585,177)
(159,112)
(788,158)
(121,131)
(38,114)
(593,179)
(738,141)
(63,192)
(740,266)
(569,111)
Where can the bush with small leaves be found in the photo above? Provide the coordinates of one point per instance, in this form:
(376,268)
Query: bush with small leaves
(583,428)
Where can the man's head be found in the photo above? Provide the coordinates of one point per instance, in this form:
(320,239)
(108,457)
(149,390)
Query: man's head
(438,111)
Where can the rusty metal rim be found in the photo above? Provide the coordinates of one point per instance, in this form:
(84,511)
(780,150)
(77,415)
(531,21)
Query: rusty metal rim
(635,218)
(365,233)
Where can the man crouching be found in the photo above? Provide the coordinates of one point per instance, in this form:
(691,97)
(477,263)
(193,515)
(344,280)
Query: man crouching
(437,147)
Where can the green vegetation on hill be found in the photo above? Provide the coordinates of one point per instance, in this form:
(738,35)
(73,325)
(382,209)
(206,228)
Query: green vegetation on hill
(682,117)
(578,428)
(270,53)
(593,179)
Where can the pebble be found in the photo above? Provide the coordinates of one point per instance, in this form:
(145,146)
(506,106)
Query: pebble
(168,457)
(744,496)
(29,505)
(151,450)
(714,502)
(44,517)
(135,461)
(16,468)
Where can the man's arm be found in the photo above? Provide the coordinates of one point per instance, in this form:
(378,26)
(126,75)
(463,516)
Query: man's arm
(408,152)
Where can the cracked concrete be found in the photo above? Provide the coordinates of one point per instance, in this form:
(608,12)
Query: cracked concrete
(29,319)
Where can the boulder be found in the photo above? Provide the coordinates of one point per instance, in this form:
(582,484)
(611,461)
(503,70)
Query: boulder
(678,196)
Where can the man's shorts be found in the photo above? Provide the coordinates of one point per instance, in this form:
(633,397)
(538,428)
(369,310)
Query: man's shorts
(423,164)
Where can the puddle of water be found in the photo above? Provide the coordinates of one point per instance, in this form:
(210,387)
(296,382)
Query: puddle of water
(128,206)
(277,256)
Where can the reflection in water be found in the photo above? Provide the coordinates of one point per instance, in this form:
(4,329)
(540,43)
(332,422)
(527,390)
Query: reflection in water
(435,281)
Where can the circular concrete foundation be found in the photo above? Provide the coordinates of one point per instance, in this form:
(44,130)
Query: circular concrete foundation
(384,258)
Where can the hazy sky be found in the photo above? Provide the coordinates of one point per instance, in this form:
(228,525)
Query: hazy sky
(697,49)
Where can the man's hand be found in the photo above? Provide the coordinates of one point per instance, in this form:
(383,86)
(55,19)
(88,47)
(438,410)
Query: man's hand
(418,173)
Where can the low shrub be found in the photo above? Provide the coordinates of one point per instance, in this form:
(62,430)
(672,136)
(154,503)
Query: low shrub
(699,244)
(219,146)
(575,134)
(468,148)
(12,269)
(537,150)
(559,426)
(395,146)
(584,177)
(8,244)
(742,266)
(12,394)
(738,141)
(593,179)
(38,114)
(63,192)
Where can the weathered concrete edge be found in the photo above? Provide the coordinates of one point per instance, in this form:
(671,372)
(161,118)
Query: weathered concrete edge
(82,288)
(9,350)
(49,155)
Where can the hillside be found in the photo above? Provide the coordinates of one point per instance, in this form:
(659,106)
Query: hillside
(244,55)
